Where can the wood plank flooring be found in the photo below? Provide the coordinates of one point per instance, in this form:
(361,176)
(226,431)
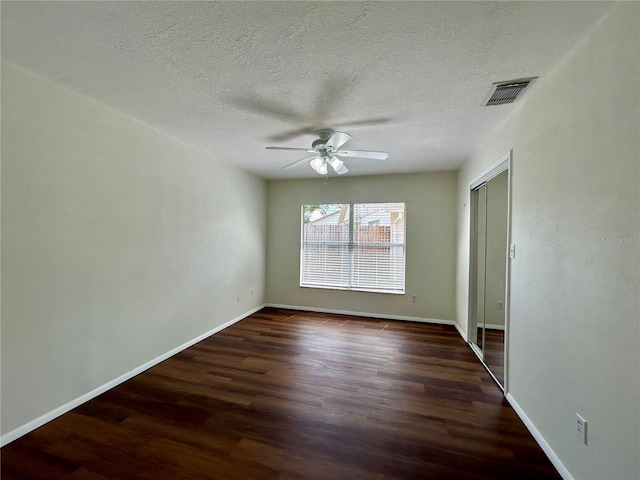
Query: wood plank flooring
(295,395)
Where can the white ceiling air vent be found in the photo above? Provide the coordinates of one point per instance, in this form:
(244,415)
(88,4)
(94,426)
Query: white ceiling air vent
(507,92)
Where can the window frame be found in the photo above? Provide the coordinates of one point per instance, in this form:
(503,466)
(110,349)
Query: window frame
(352,245)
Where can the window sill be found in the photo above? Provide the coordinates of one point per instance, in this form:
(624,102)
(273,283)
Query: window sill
(353,289)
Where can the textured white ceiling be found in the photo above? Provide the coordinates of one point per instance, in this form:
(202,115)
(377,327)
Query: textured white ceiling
(234,77)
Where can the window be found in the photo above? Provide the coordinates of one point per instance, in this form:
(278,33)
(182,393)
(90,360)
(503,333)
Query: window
(358,246)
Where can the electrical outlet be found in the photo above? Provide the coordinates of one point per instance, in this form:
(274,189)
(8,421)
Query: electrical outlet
(512,250)
(582,429)
(238,297)
(414,299)
(500,306)
(251,293)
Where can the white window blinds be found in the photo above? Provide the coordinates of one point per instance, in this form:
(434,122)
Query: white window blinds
(358,246)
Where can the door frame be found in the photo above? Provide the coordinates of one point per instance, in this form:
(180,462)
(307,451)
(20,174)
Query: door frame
(505,162)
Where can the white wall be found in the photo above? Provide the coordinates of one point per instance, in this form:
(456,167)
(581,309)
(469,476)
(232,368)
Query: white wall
(119,243)
(574,337)
(430,237)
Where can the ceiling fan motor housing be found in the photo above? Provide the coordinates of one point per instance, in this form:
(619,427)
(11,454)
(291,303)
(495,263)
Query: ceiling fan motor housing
(317,143)
(325,134)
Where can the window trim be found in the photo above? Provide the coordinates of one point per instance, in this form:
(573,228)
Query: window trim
(351,246)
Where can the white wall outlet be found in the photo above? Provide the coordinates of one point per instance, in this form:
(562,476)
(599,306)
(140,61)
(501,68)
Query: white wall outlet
(238,297)
(512,250)
(582,429)
(251,293)
(500,306)
(414,299)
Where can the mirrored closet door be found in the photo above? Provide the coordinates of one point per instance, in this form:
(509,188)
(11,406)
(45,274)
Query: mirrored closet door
(488,257)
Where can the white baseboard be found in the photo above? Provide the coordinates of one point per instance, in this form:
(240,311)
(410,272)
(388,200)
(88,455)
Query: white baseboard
(47,417)
(363,314)
(562,470)
(462,334)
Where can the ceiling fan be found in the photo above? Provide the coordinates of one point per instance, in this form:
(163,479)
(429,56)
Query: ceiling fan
(326,153)
(332,92)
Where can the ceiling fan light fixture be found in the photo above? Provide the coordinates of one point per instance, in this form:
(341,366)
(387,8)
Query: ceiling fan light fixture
(319,165)
(316,163)
(336,163)
(322,169)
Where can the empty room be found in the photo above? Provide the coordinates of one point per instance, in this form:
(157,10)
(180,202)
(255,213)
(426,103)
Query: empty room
(320,240)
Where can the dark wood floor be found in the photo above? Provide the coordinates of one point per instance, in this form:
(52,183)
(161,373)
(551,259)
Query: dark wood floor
(291,395)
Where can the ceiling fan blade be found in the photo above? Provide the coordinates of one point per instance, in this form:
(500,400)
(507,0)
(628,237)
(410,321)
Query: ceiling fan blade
(362,123)
(323,125)
(271,109)
(342,170)
(363,154)
(291,134)
(333,91)
(337,140)
(305,159)
(289,148)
